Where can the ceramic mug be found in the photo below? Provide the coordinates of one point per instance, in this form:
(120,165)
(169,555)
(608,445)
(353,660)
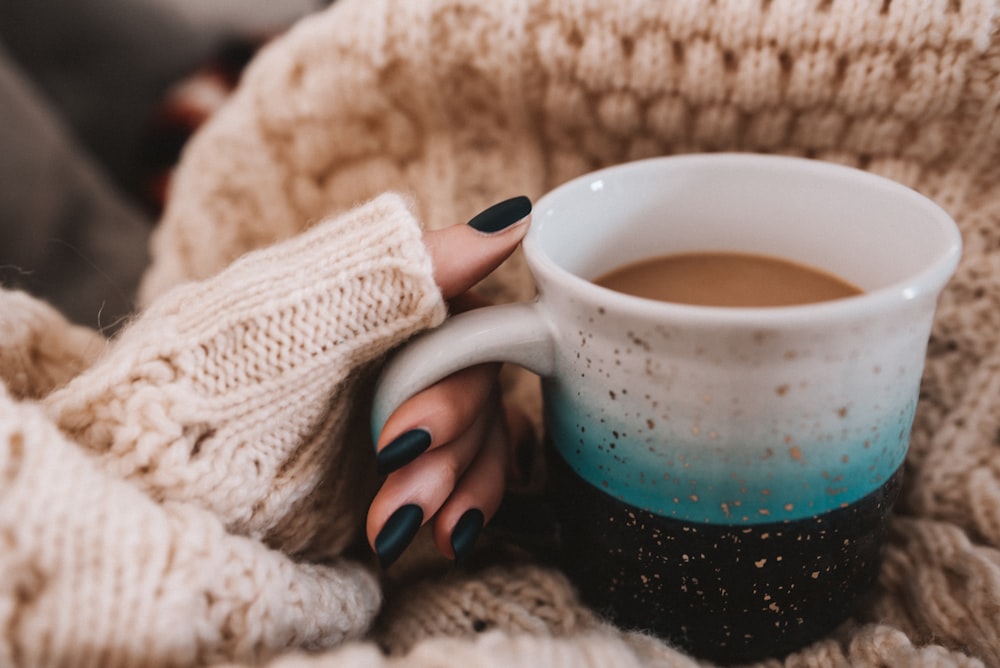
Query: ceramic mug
(723,476)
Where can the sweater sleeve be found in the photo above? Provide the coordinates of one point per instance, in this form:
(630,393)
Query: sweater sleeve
(39,349)
(245,393)
(93,572)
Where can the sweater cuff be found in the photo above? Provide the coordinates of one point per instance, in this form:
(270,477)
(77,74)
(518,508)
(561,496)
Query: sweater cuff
(364,279)
(238,393)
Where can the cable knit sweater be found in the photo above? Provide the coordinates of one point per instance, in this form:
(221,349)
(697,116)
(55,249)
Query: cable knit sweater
(185,493)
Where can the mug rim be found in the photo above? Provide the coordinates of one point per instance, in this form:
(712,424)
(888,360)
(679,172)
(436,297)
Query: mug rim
(929,281)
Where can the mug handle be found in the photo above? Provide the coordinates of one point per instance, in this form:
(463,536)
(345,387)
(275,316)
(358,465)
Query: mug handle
(517,333)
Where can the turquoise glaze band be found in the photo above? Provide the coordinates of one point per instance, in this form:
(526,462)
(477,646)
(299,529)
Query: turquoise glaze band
(758,481)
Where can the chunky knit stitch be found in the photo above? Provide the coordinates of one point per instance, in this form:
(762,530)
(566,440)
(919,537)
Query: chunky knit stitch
(222,396)
(93,572)
(139,494)
(460,103)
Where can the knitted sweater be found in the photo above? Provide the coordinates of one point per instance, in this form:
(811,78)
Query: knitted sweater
(185,493)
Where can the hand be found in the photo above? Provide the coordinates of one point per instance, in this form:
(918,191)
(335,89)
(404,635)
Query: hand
(446,449)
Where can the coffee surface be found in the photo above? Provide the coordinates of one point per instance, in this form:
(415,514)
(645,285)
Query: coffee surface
(726,279)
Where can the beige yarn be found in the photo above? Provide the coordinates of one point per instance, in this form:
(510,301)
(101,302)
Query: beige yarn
(92,572)
(460,103)
(137,497)
(39,349)
(520,599)
(222,396)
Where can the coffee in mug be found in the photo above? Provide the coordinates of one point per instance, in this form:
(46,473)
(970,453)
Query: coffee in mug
(726,279)
(722,476)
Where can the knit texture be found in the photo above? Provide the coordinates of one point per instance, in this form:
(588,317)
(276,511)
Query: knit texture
(39,349)
(142,490)
(458,104)
(93,572)
(221,393)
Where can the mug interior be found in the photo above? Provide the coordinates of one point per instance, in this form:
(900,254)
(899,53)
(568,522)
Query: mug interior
(866,229)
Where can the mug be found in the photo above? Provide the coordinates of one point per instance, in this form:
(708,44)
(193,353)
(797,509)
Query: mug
(722,476)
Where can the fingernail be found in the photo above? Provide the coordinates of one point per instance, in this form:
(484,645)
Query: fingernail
(397,533)
(402,450)
(465,533)
(502,215)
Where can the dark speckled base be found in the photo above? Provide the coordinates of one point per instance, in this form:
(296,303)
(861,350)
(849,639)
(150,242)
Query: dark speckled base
(724,593)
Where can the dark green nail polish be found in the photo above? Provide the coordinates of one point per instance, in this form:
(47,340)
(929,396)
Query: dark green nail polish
(398,532)
(402,450)
(466,531)
(502,215)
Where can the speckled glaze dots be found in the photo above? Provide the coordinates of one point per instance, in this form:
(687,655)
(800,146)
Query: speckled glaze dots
(724,592)
(728,485)
(721,476)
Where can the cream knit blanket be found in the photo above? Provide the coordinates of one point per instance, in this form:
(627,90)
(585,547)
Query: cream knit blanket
(151,488)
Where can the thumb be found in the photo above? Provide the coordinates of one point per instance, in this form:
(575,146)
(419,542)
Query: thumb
(463,255)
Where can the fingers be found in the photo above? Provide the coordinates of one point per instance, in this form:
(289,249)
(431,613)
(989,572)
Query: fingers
(475,499)
(463,255)
(458,480)
(445,449)
(435,417)
(428,447)
(416,492)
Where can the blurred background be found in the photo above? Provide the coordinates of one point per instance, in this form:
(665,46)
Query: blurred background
(97,98)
